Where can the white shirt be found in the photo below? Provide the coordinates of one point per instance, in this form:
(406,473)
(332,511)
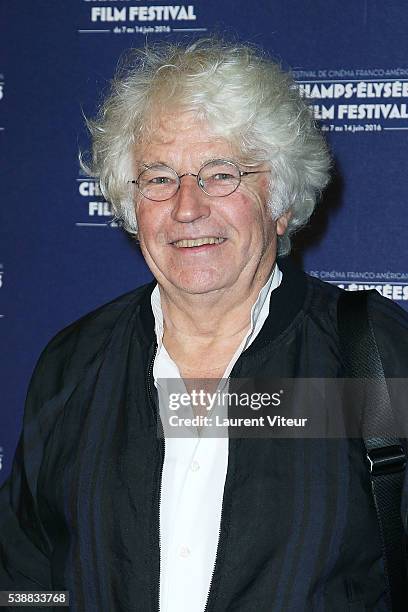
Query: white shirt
(193,479)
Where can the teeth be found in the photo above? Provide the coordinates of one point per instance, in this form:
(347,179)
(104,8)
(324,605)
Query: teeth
(198,242)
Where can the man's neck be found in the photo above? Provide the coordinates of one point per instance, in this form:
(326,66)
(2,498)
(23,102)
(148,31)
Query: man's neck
(205,320)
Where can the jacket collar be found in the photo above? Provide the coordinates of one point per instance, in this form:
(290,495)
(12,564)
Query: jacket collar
(286,301)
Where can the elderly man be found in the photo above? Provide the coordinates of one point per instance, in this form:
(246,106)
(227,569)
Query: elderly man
(210,156)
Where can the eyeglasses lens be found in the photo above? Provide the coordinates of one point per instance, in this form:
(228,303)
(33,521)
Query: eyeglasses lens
(158,183)
(219,178)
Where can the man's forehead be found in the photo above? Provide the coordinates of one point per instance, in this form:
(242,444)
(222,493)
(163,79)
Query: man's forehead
(173,127)
(176,134)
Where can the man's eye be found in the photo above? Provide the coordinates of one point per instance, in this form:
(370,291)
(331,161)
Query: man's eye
(160,180)
(221,176)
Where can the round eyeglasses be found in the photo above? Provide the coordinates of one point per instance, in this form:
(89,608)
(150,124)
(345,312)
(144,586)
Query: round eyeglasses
(217,178)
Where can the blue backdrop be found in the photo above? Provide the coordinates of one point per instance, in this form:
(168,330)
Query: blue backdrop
(60,254)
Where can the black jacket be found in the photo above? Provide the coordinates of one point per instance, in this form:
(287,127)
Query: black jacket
(81,509)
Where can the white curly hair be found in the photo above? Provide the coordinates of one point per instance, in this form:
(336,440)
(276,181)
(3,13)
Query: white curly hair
(241,94)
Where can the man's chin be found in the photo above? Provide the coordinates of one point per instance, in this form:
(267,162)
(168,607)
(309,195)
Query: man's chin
(198,283)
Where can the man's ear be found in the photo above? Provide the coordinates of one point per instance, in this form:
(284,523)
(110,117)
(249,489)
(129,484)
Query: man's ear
(282,222)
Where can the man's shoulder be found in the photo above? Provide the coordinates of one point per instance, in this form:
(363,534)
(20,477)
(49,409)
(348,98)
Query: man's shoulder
(390,326)
(389,322)
(74,348)
(322,291)
(383,311)
(98,323)
(321,302)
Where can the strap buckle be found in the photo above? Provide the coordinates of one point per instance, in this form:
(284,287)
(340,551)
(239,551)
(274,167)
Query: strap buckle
(386,460)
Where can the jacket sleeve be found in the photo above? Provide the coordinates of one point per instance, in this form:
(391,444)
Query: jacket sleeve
(25,547)
(390,324)
(24,550)
(24,563)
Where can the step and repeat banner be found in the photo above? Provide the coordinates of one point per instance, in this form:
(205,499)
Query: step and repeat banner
(61,254)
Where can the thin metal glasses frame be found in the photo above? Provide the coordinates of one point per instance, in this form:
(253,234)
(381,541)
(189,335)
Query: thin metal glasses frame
(200,181)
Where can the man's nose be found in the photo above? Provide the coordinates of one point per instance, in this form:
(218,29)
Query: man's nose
(190,203)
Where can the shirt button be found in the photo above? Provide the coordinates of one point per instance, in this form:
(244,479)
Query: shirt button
(184,552)
(195,466)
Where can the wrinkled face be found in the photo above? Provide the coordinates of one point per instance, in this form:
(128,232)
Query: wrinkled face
(241,224)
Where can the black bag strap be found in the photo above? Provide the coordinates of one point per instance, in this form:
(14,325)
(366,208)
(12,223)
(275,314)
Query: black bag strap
(385,455)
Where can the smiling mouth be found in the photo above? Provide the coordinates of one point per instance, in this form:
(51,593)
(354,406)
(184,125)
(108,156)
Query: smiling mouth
(196,242)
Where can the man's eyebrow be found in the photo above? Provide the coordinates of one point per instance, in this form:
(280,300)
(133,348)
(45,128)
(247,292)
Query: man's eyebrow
(151,163)
(203,160)
(158,162)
